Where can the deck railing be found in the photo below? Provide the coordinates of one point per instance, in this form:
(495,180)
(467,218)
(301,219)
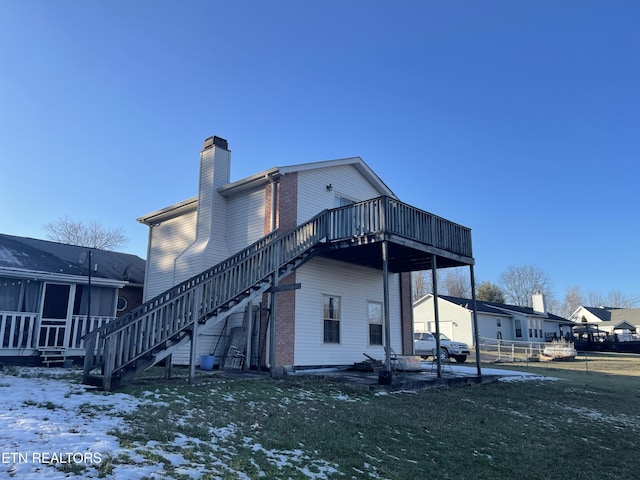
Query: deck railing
(119,343)
(386,215)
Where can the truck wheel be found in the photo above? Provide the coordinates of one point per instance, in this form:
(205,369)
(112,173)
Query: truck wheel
(460,358)
(444,355)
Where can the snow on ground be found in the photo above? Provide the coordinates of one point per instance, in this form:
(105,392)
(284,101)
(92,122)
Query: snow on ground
(505,375)
(47,419)
(50,423)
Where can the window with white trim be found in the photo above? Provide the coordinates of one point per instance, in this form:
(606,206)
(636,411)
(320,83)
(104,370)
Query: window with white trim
(517,323)
(331,318)
(374,316)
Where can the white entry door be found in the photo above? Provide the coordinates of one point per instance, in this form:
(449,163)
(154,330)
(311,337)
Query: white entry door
(55,312)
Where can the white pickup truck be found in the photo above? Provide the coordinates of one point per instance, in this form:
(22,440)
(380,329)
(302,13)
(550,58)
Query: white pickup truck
(425,343)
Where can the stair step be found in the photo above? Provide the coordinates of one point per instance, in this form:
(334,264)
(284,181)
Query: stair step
(94,379)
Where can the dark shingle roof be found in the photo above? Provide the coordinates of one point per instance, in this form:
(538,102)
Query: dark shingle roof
(43,256)
(601,313)
(499,308)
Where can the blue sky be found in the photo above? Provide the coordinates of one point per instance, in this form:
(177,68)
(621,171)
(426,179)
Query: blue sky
(518,119)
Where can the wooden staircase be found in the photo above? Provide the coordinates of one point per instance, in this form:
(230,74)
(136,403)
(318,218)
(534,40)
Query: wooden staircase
(129,345)
(125,347)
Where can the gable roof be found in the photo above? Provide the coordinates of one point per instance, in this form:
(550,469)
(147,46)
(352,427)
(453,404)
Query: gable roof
(20,256)
(609,314)
(599,312)
(260,179)
(608,325)
(265,176)
(494,308)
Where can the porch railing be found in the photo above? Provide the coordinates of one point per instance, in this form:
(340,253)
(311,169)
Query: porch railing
(19,330)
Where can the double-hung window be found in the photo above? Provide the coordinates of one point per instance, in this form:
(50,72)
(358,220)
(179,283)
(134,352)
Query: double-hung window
(331,318)
(518,325)
(374,314)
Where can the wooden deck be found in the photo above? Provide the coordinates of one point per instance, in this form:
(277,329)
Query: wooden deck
(354,233)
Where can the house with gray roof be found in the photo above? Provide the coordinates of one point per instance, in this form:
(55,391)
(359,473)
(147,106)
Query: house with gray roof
(496,321)
(52,294)
(620,321)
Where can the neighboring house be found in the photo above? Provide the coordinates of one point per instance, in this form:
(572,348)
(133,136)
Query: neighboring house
(45,294)
(321,250)
(496,321)
(620,321)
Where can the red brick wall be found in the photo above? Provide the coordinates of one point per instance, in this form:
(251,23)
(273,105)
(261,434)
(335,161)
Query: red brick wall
(287,218)
(286,208)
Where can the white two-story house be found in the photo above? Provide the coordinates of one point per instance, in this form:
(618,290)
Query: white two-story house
(295,266)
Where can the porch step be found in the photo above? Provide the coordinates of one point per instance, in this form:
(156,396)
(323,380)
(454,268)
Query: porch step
(53,356)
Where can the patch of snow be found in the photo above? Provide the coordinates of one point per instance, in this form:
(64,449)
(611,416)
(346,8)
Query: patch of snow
(8,258)
(525,378)
(48,415)
(59,421)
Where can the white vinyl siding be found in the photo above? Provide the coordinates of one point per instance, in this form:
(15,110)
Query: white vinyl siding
(212,338)
(345,180)
(168,240)
(245,220)
(355,286)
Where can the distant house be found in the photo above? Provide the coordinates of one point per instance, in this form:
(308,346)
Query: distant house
(620,321)
(45,296)
(496,321)
(295,266)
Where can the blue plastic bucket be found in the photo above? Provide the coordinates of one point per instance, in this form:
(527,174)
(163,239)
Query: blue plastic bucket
(207,362)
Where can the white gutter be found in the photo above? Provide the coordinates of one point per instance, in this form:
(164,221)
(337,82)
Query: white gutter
(20,273)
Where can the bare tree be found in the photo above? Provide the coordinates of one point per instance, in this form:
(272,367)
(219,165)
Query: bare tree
(613,299)
(520,282)
(421,284)
(454,282)
(489,292)
(573,299)
(451,282)
(93,234)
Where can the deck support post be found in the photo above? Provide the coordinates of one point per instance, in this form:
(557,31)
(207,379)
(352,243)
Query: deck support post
(476,334)
(195,317)
(274,313)
(436,315)
(385,306)
(248,323)
(167,367)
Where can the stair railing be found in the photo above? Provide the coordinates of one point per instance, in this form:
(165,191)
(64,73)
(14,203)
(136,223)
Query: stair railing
(121,342)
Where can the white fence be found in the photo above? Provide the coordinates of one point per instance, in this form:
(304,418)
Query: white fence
(510,350)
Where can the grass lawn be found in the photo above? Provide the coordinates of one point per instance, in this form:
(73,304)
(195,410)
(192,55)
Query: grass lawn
(581,425)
